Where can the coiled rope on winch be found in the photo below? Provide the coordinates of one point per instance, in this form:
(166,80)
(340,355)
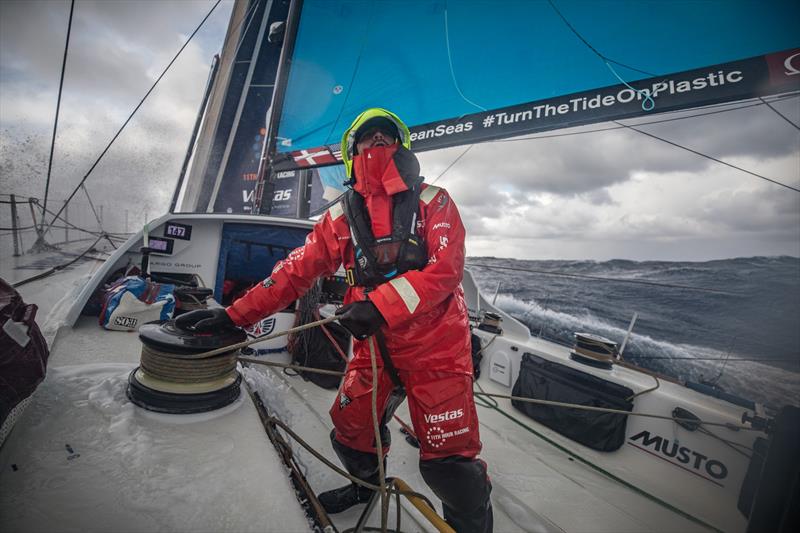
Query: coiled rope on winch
(186,368)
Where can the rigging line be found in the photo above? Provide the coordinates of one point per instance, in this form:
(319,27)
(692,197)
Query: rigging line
(489,403)
(648,104)
(661,121)
(55,268)
(450,62)
(68,223)
(352,76)
(451,164)
(726,359)
(249,15)
(707,156)
(601,278)
(725,362)
(150,90)
(592,48)
(784,117)
(596,409)
(735,446)
(58,108)
(99,222)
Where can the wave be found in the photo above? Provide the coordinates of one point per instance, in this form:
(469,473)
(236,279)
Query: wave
(750,379)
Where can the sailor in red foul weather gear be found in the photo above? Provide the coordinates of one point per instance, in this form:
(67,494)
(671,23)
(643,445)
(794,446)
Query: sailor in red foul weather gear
(402,245)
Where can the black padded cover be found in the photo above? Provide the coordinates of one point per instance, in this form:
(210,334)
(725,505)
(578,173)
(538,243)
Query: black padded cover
(546,380)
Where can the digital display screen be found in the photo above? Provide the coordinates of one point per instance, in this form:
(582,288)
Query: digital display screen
(159,245)
(178,231)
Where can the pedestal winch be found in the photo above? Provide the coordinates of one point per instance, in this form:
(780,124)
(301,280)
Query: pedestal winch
(175,377)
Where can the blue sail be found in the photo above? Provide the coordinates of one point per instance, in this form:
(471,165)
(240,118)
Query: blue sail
(432,61)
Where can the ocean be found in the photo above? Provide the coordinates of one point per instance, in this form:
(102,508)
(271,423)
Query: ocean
(742,333)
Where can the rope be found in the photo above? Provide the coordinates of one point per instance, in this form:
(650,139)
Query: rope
(784,117)
(494,405)
(150,90)
(268,337)
(58,107)
(607,60)
(451,164)
(278,422)
(56,268)
(179,368)
(96,216)
(728,425)
(291,366)
(728,108)
(364,39)
(67,222)
(450,62)
(376,429)
(645,391)
(706,156)
(385,489)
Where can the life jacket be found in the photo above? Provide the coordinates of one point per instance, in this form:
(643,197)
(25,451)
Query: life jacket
(379,260)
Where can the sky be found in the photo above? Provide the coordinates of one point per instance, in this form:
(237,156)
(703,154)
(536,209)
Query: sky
(606,195)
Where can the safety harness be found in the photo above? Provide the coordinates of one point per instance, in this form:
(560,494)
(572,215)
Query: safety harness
(379,260)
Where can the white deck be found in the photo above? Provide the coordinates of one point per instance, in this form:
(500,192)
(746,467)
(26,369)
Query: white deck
(133,470)
(536,487)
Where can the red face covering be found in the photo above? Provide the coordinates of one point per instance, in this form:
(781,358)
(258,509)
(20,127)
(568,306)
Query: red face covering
(376,180)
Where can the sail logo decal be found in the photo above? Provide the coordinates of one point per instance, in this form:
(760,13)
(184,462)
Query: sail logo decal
(696,463)
(791,70)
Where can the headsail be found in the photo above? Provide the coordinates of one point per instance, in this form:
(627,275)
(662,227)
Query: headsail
(470,71)
(465,72)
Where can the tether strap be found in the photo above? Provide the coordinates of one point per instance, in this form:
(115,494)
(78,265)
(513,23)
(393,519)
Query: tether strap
(387,361)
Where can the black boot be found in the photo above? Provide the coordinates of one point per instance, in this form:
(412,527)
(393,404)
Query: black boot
(360,464)
(338,500)
(464,488)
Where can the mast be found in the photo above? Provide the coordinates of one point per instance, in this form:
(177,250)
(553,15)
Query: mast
(264,183)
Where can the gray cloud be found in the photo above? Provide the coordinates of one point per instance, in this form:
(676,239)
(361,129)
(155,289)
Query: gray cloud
(587,163)
(117,49)
(596,195)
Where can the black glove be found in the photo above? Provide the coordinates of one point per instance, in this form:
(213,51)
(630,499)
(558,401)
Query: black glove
(205,320)
(362,319)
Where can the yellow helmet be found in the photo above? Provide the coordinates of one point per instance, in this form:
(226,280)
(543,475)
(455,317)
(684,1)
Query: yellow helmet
(349,136)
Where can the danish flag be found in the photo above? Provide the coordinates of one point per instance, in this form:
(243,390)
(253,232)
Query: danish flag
(314,156)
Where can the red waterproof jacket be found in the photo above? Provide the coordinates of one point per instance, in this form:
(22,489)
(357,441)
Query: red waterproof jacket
(426,317)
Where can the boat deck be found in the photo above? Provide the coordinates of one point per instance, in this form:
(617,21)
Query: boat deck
(84,458)
(536,486)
